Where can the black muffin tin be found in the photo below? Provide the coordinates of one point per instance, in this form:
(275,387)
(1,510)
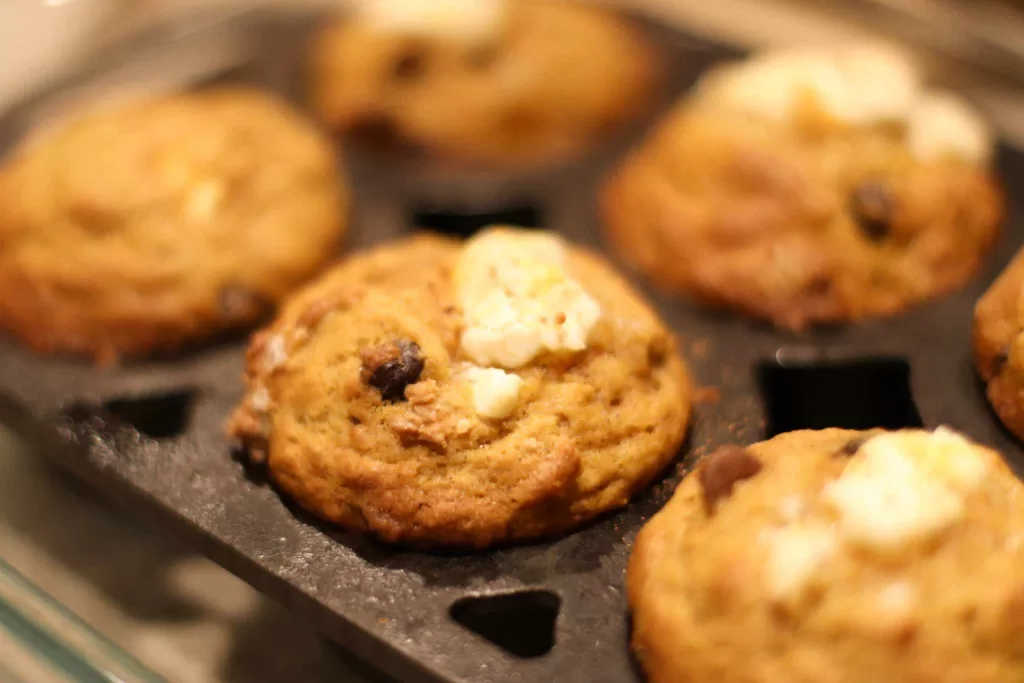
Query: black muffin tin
(151,433)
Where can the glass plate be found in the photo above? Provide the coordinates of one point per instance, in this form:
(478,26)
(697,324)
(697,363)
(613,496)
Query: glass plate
(41,641)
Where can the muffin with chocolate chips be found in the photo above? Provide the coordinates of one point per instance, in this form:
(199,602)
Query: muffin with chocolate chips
(811,185)
(447,394)
(487,82)
(836,556)
(999,344)
(156,223)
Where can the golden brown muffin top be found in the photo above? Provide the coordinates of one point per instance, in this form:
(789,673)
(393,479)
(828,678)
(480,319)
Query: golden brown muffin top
(154,222)
(806,187)
(496,83)
(836,556)
(444,394)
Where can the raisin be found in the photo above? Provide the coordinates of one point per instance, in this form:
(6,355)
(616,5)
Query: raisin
(873,206)
(720,471)
(391,367)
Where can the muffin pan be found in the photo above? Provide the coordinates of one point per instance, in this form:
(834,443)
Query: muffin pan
(150,434)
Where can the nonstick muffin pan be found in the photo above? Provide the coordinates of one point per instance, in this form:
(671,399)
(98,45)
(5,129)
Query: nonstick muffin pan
(150,434)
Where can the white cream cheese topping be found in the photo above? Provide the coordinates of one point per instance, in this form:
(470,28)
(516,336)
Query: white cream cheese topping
(858,85)
(463,21)
(518,300)
(495,392)
(904,488)
(942,125)
(901,489)
(794,556)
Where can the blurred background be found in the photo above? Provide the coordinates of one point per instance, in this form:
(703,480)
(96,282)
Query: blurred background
(179,616)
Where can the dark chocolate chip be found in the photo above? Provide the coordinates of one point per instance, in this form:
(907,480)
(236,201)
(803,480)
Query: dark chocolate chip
(721,470)
(851,447)
(410,64)
(873,206)
(391,367)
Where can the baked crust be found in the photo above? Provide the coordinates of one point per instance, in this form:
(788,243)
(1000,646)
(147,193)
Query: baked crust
(589,428)
(998,348)
(701,611)
(561,76)
(808,223)
(158,223)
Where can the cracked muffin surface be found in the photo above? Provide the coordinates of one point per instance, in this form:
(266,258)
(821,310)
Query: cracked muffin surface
(837,556)
(439,393)
(496,83)
(152,224)
(805,186)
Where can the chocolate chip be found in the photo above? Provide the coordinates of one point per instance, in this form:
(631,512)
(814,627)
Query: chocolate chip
(391,367)
(720,471)
(873,206)
(851,447)
(410,64)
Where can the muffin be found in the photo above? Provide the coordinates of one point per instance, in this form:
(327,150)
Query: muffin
(496,83)
(157,223)
(809,185)
(836,556)
(999,344)
(436,393)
